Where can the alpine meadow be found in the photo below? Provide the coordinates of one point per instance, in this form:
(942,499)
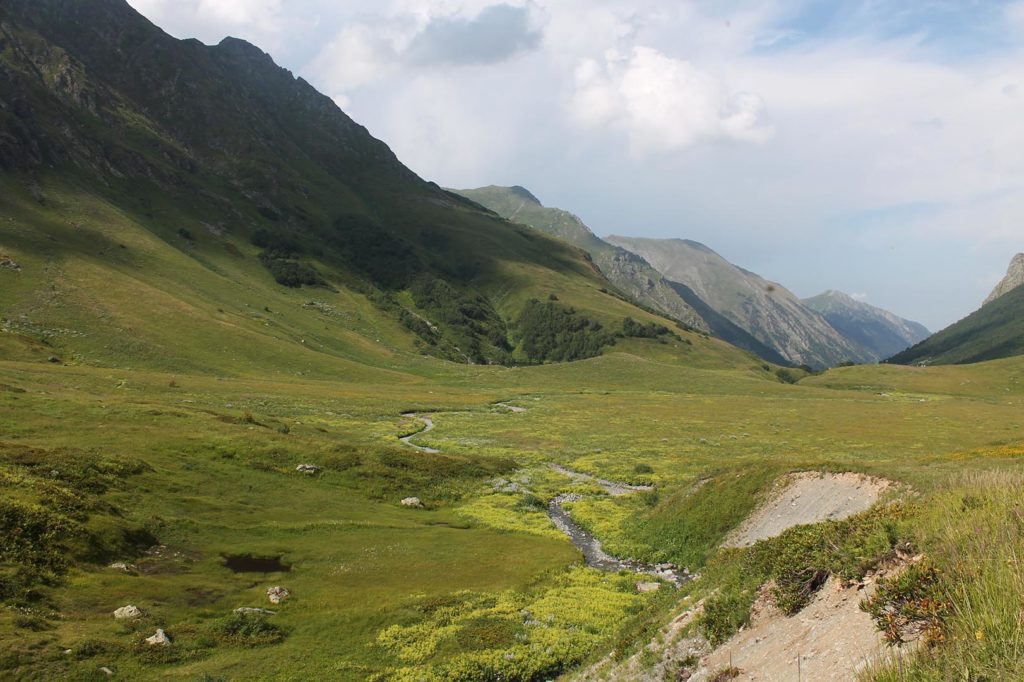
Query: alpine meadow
(275,407)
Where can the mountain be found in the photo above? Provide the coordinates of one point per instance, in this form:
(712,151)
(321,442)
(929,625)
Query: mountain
(996,330)
(176,205)
(766,310)
(879,331)
(629,272)
(1014,278)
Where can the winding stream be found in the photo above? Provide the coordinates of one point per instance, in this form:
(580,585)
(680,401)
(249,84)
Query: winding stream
(593,554)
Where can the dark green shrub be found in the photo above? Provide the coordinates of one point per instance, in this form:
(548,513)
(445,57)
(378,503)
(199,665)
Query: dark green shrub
(247,629)
(552,332)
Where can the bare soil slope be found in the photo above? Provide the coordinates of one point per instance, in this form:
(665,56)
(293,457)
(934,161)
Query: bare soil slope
(809,497)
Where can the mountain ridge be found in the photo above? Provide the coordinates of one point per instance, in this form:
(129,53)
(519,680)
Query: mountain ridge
(766,310)
(879,331)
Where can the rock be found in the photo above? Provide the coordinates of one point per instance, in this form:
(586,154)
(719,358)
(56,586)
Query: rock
(8,263)
(106,671)
(412,502)
(121,566)
(53,358)
(261,612)
(648,587)
(277,594)
(128,612)
(159,639)
(308,469)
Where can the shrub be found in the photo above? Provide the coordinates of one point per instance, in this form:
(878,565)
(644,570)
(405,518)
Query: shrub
(247,629)
(552,332)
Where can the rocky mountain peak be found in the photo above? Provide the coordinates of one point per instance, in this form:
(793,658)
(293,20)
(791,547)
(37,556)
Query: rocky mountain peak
(1014,278)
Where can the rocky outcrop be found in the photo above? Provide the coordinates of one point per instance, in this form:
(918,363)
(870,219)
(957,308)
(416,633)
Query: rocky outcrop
(159,639)
(1014,278)
(277,594)
(128,612)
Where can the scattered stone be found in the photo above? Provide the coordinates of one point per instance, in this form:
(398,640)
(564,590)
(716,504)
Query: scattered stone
(648,587)
(121,566)
(128,612)
(277,594)
(308,469)
(53,358)
(159,639)
(412,502)
(68,652)
(106,671)
(260,612)
(9,263)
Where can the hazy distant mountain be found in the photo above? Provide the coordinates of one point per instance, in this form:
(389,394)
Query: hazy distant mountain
(766,310)
(1014,278)
(996,330)
(629,272)
(879,331)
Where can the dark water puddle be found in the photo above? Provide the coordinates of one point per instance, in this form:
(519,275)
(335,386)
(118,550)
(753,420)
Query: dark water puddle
(247,563)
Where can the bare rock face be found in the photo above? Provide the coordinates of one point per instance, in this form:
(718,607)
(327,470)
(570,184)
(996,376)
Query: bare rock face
(159,639)
(1014,278)
(128,612)
(277,594)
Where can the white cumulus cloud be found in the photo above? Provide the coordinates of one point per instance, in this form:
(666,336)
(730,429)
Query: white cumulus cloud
(663,104)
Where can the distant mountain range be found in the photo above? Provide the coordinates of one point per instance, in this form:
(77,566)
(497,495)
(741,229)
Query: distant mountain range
(996,330)
(689,282)
(768,311)
(627,271)
(880,332)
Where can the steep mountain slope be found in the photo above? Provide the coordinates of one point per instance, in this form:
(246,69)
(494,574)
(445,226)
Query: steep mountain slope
(766,310)
(1014,278)
(627,271)
(178,205)
(879,331)
(996,330)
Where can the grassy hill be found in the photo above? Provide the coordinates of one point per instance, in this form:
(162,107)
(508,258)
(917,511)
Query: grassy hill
(180,206)
(996,330)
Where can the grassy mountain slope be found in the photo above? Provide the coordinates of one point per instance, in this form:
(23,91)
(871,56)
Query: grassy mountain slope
(625,270)
(175,205)
(766,310)
(879,331)
(996,330)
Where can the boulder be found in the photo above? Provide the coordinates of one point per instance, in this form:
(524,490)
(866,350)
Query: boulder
(277,594)
(159,639)
(648,587)
(412,502)
(308,469)
(106,671)
(128,612)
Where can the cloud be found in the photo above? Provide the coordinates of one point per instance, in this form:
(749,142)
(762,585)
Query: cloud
(495,34)
(663,104)
(377,47)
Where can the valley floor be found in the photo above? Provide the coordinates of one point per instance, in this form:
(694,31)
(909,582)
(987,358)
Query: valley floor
(134,487)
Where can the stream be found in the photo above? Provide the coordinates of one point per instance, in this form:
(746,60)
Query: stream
(593,554)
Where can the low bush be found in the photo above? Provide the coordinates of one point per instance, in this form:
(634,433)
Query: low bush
(247,629)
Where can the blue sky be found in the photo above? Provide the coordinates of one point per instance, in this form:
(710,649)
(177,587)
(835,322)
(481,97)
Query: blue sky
(870,146)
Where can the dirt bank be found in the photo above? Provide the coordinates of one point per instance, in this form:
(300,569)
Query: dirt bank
(808,497)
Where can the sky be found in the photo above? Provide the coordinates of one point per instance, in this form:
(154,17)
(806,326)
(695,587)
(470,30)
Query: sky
(870,146)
